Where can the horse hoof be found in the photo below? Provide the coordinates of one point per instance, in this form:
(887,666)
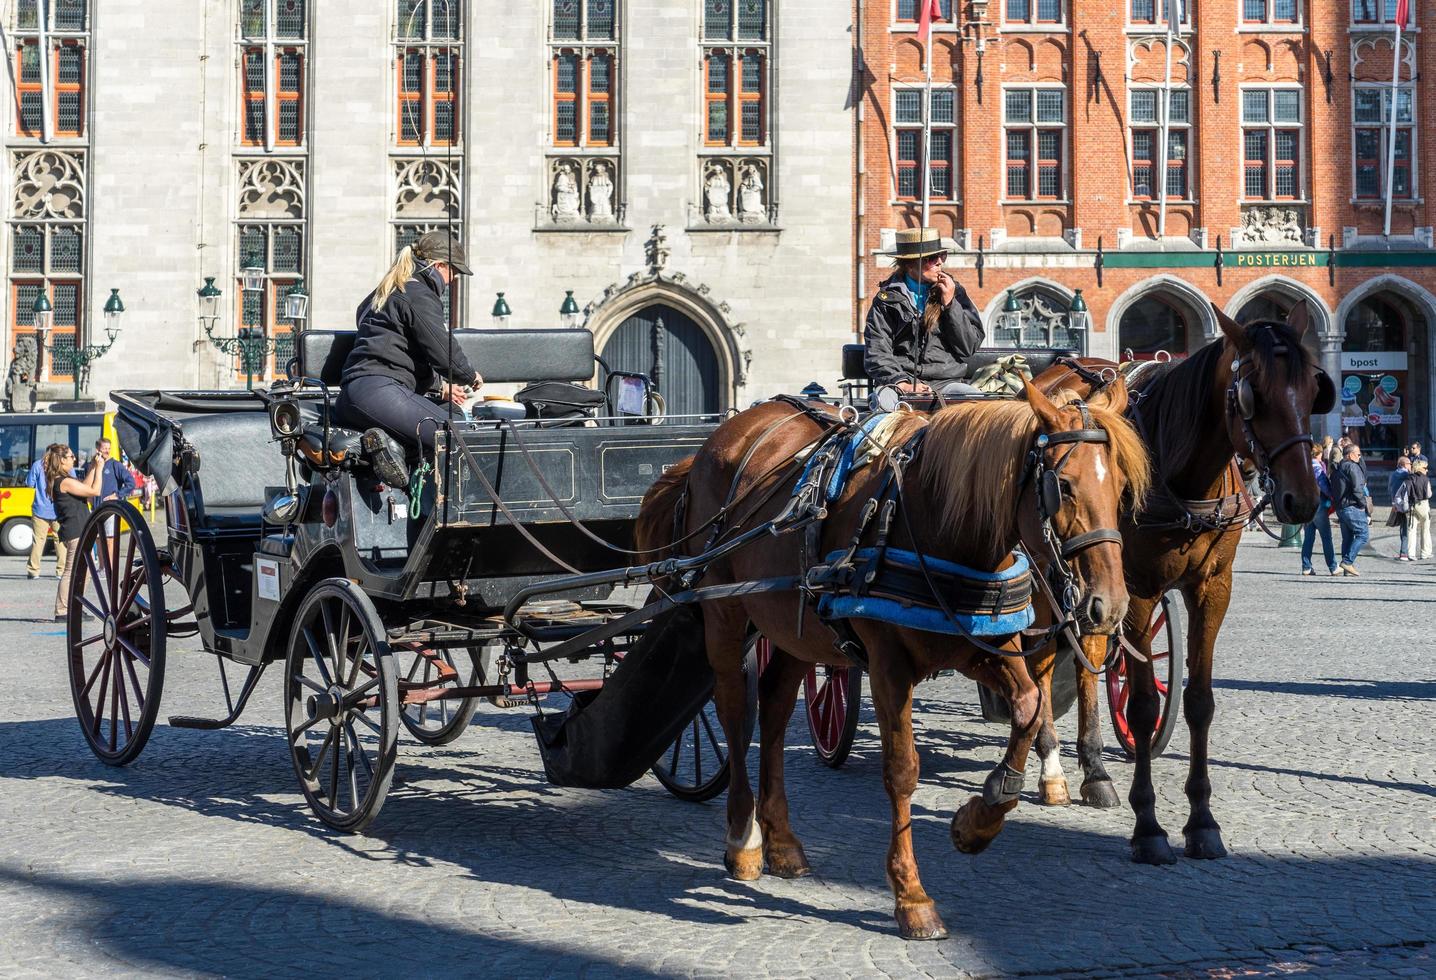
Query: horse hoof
(1053,792)
(1101,794)
(1205,843)
(788,862)
(920,922)
(967,835)
(1152,850)
(744,865)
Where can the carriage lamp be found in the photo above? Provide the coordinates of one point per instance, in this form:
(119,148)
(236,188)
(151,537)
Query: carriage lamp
(114,312)
(209,295)
(252,277)
(568,313)
(44,315)
(296,304)
(501,311)
(1078,318)
(1011,316)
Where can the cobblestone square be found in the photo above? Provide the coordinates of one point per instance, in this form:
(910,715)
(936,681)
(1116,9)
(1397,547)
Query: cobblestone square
(201,858)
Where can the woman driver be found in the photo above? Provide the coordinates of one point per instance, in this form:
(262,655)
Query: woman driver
(404,348)
(921,327)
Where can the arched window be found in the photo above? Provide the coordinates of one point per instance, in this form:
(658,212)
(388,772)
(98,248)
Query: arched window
(1154,323)
(1383,391)
(1044,322)
(1267,306)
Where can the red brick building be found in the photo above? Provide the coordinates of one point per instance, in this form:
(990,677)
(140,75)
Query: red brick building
(1046,173)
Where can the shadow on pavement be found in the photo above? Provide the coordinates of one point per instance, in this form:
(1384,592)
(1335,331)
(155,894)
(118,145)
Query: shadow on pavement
(1338,687)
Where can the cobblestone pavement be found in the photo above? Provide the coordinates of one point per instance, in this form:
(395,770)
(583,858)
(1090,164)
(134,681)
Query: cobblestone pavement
(201,858)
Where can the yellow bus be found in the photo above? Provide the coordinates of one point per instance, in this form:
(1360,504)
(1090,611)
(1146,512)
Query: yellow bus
(23,438)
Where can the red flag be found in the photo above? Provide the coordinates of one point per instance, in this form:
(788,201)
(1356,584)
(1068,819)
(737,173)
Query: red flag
(1403,13)
(931,11)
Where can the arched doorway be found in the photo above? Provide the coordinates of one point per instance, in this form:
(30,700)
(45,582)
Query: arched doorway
(1273,305)
(669,347)
(1384,388)
(1154,323)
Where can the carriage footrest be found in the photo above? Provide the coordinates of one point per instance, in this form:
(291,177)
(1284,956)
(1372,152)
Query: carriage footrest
(205,724)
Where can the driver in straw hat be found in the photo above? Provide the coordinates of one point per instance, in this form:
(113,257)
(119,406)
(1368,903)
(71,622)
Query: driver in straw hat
(921,326)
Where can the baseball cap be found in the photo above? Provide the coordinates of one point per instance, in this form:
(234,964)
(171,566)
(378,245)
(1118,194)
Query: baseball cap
(440,246)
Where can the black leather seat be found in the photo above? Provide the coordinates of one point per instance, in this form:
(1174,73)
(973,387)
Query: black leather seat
(1038,359)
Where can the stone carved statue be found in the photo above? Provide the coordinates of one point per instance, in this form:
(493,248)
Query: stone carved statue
(600,193)
(716,193)
(1272,226)
(566,203)
(20,379)
(750,196)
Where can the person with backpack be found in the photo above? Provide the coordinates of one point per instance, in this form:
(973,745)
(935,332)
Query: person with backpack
(1397,517)
(1417,491)
(1353,506)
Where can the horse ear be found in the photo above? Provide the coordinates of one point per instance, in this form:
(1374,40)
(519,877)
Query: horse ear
(1299,319)
(1236,334)
(1114,396)
(1048,416)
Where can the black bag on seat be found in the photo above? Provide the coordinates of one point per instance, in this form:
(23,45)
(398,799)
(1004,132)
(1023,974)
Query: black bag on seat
(561,400)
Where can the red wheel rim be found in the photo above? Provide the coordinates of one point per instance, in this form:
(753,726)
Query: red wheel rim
(1119,693)
(826,696)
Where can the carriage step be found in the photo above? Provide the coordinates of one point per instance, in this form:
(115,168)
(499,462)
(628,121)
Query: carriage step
(205,724)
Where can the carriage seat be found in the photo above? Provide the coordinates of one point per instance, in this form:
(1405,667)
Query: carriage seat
(1038,359)
(238,466)
(518,355)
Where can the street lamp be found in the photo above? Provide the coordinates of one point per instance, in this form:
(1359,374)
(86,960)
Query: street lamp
(568,313)
(1078,318)
(1011,317)
(501,312)
(251,344)
(296,305)
(78,358)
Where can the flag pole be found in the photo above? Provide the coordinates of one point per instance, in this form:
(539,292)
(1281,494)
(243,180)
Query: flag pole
(1391,129)
(927,132)
(1165,130)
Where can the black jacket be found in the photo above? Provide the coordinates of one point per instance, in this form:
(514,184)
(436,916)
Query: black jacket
(898,350)
(1348,484)
(408,339)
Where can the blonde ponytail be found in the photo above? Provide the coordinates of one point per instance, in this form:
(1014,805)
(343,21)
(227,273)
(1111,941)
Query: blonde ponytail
(399,273)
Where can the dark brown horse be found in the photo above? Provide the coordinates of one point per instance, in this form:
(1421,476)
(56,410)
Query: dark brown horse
(964,499)
(1248,395)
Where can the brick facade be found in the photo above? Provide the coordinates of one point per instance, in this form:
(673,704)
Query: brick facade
(1277,247)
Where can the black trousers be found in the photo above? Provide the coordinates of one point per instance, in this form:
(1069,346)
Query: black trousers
(366,403)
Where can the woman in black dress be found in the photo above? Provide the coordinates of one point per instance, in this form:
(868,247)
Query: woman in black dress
(72,498)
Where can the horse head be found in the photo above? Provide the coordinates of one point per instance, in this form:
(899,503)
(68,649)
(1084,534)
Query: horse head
(1272,389)
(1086,460)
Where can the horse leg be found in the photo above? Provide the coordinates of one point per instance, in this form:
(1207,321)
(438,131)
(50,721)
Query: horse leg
(892,685)
(1149,840)
(1208,607)
(724,627)
(777,693)
(979,820)
(1097,788)
(1053,787)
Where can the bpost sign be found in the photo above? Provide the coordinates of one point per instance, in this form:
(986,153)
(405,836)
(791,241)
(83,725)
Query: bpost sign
(1362,361)
(1271,259)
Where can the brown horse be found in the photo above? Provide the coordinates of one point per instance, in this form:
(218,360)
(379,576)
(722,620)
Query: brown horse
(1195,418)
(965,499)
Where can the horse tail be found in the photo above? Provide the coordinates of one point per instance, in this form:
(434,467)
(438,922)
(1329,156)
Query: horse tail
(658,515)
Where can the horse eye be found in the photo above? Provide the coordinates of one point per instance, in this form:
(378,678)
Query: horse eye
(1066,487)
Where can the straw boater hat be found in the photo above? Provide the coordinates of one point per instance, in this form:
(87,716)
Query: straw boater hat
(918,243)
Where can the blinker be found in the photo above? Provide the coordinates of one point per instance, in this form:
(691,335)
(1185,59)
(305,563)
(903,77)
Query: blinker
(1051,494)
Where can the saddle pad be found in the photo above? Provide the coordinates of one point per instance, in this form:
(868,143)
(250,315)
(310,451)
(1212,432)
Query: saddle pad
(864,445)
(927,617)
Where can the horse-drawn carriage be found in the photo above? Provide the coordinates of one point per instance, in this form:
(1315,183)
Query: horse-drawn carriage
(383,604)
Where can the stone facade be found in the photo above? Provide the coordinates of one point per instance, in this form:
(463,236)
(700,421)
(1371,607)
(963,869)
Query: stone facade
(768,288)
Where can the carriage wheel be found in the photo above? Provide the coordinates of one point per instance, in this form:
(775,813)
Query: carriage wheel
(1165,635)
(341,705)
(695,768)
(116,645)
(439,722)
(833,696)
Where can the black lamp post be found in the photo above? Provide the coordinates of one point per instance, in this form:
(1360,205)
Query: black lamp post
(250,344)
(76,357)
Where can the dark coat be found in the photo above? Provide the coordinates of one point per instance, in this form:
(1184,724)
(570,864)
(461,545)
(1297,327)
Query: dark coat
(898,350)
(408,339)
(1348,484)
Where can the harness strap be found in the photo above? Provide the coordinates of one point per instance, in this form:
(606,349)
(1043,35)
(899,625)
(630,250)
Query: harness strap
(1081,542)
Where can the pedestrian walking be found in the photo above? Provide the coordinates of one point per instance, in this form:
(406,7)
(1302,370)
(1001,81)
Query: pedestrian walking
(1353,506)
(72,498)
(42,518)
(1397,517)
(1418,512)
(1320,523)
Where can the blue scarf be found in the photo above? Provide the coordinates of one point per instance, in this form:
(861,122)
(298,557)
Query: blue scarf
(919,292)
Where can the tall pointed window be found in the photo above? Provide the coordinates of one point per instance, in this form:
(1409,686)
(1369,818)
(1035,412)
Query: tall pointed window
(1147,143)
(585,38)
(736,70)
(1371,114)
(272,73)
(51,82)
(428,57)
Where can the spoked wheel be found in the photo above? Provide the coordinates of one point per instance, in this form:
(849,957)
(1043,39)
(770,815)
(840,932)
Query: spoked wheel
(1165,635)
(341,705)
(833,696)
(116,643)
(441,721)
(695,768)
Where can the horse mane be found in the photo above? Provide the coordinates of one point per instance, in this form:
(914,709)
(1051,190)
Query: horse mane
(1172,393)
(978,452)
